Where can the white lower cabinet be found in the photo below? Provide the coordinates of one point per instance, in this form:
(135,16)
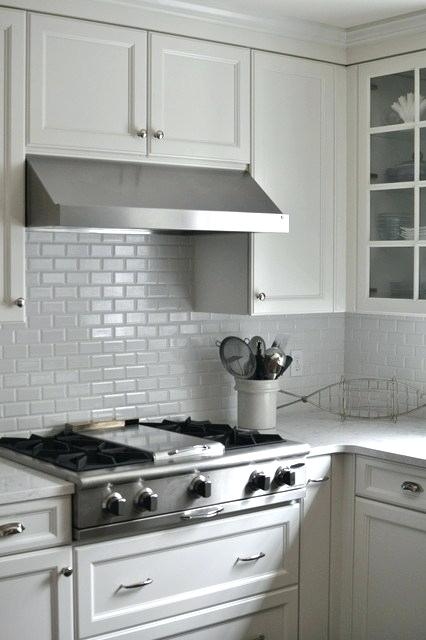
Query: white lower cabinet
(314,575)
(35,596)
(389,573)
(148,579)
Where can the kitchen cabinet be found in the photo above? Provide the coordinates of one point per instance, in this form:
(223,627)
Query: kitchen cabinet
(294,155)
(12,96)
(199,100)
(392,185)
(314,578)
(389,572)
(88,92)
(36,596)
(87,87)
(130,582)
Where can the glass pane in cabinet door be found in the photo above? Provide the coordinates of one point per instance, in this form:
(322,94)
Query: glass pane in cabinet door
(422,169)
(422,94)
(392,157)
(392,214)
(391,272)
(392,99)
(422,273)
(422,229)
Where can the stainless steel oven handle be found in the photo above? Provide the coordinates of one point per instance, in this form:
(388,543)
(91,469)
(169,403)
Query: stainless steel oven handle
(258,556)
(201,515)
(11,529)
(136,585)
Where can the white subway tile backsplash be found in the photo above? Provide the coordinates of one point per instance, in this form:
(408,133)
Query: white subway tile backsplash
(110,332)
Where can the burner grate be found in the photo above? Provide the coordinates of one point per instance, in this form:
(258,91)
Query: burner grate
(230,437)
(76,452)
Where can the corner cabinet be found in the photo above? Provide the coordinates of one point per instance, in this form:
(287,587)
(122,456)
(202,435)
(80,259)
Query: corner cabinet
(297,128)
(12,231)
(392,185)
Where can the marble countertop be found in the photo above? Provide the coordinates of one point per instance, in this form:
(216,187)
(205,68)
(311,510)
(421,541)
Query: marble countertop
(20,483)
(402,441)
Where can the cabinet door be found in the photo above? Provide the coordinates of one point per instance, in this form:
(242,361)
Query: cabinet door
(12,97)
(35,597)
(200,100)
(87,86)
(293,117)
(391,182)
(315,551)
(389,572)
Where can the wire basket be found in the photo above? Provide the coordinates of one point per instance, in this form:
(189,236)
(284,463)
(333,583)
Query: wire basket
(367,398)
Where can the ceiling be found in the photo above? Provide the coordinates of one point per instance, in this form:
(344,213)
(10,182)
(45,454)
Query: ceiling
(338,13)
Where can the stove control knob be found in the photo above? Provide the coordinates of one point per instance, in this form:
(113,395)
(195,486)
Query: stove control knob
(201,486)
(258,480)
(284,475)
(146,500)
(114,504)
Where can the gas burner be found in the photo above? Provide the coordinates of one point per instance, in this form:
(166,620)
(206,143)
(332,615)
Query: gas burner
(230,437)
(76,452)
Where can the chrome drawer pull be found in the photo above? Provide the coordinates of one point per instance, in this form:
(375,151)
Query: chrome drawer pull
(411,488)
(137,585)
(252,558)
(11,529)
(318,480)
(191,515)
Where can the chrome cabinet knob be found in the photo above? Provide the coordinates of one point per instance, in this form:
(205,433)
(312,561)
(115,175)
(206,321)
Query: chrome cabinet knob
(67,571)
(411,488)
(159,134)
(114,504)
(142,133)
(261,296)
(146,500)
(20,302)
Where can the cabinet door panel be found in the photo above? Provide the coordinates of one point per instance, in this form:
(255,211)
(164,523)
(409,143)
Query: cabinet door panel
(87,85)
(35,598)
(294,164)
(200,99)
(389,572)
(12,83)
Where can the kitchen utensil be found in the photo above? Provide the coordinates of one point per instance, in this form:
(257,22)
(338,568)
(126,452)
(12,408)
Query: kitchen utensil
(287,363)
(254,345)
(281,341)
(237,357)
(274,361)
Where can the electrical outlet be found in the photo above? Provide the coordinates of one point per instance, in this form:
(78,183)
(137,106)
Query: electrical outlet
(296,368)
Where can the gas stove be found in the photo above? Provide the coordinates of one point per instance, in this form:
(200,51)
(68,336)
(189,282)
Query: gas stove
(150,475)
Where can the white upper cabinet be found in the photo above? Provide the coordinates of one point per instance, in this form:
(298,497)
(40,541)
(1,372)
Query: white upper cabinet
(294,126)
(293,116)
(199,100)
(12,96)
(392,185)
(87,86)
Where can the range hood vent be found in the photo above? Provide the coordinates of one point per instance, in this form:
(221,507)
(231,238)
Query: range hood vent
(103,195)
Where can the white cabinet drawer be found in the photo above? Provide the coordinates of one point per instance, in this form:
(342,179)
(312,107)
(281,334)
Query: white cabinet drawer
(272,616)
(45,523)
(185,569)
(385,481)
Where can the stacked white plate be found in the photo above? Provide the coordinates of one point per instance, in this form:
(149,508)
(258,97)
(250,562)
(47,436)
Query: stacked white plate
(407,233)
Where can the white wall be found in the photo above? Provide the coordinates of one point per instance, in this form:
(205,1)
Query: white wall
(110,332)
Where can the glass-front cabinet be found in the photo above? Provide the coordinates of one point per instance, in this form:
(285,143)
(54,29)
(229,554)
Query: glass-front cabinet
(392,185)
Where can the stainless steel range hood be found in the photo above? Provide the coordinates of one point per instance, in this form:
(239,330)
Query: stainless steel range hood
(74,193)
